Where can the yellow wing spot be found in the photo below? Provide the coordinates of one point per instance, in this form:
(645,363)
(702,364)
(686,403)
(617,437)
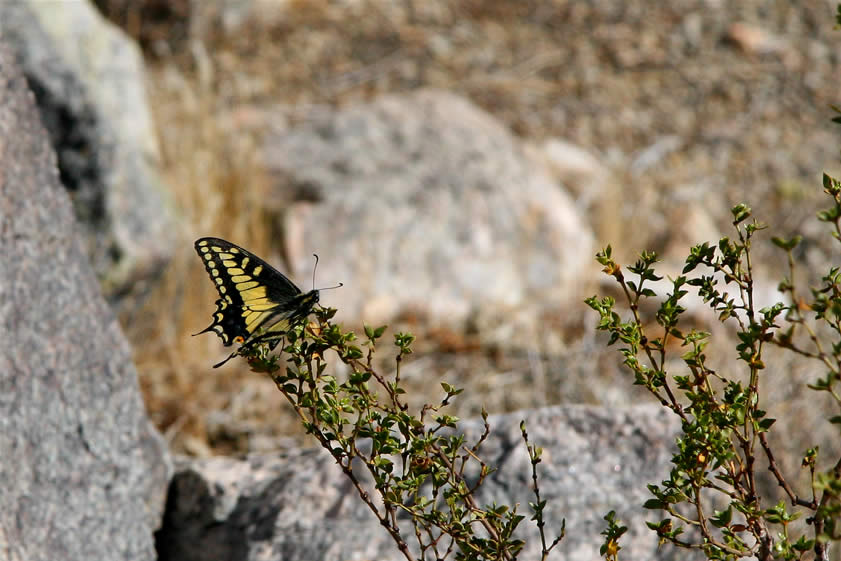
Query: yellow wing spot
(261,307)
(251,321)
(222,289)
(251,317)
(234,250)
(229,263)
(202,243)
(216,249)
(243,286)
(254,293)
(225,256)
(235,271)
(245,261)
(218,329)
(257,270)
(218,281)
(228,300)
(208,256)
(214,272)
(242,279)
(280,326)
(260,317)
(218,316)
(204,250)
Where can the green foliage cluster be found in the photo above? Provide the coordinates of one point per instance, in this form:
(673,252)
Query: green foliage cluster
(417,462)
(725,428)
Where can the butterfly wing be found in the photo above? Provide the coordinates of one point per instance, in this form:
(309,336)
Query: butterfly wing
(254,297)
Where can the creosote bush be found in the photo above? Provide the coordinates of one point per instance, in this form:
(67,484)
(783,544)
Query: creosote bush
(712,488)
(416,460)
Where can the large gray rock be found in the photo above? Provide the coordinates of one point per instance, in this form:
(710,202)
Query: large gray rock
(300,507)
(84,473)
(88,81)
(425,204)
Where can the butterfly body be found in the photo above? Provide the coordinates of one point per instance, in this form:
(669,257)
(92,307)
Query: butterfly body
(257,303)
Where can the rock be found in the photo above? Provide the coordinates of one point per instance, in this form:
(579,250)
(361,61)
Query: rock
(299,506)
(690,223)
(655,154)
(572,162)
(84,473)
(755,40)
(423,204)
(88,81)
(574,167)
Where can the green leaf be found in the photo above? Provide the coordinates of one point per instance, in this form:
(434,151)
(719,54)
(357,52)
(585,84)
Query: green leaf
(766,424)
(352,352)
(803,544)
(384,464)
(722,518)
(831,185)
(787,245)
(741,212)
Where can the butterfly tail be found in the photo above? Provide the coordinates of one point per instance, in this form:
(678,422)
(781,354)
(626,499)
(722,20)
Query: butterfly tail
(205,330)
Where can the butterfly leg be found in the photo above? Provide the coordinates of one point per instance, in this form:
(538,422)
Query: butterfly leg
(272,338)
(232,355)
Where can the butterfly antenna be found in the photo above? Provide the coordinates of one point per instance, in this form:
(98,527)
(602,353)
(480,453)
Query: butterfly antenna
(313,276)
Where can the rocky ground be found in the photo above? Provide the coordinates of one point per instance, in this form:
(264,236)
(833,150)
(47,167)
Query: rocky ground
(687,108)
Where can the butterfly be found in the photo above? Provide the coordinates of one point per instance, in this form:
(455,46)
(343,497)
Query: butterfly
(257,303)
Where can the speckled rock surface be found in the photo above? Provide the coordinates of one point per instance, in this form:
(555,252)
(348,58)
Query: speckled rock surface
(423,203)
(88,80)
(298,506)
(84,473)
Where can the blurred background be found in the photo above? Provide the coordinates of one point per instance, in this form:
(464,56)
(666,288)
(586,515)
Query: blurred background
(456,164)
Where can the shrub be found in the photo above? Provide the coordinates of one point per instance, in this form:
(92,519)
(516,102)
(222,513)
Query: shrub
(416,461)
(725,427)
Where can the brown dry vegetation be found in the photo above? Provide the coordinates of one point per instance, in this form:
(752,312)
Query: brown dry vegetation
(544,68)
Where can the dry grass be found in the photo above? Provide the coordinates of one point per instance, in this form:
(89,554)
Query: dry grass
(218,188)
